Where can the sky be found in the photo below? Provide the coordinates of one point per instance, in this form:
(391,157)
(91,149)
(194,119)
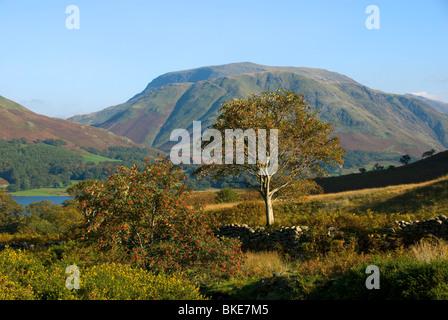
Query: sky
(58,67)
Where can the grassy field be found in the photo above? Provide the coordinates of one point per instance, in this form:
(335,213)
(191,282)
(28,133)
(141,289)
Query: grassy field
(97,158)
(430,197)
(43,192)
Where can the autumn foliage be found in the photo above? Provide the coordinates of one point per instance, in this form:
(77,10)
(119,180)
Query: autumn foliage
(142,215)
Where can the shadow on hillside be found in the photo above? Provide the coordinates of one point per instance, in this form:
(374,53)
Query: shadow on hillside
(421,171)
(432,197)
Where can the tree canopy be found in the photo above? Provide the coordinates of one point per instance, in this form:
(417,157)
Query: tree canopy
(303,146)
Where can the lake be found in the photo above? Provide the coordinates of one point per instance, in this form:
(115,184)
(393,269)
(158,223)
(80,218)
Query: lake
(26,200)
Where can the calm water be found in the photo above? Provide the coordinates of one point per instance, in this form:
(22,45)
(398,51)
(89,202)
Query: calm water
(26,200)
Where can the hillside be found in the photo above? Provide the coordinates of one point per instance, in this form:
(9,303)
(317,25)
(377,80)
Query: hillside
(40,152)
(367,120)
(18,122)
(438,105)
(424,170)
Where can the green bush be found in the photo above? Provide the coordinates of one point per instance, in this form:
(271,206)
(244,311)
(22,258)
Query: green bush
(400,279)
(227,195)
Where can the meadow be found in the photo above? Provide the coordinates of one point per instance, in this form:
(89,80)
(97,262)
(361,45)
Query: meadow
(328,266)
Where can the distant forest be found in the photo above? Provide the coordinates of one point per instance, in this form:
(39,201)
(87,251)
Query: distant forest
(46,163)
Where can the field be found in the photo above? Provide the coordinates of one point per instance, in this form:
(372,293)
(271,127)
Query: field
(97,158)
(358,215)
(43,192)
(326,266)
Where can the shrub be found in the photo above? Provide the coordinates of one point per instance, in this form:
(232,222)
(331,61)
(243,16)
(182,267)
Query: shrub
(24,276)
(10,211)
(227,195)
(112,281)
(142,215)
(400,279)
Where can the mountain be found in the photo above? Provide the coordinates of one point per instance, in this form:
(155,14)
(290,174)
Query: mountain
(367,120)
(41,152)
(438,105)
(18,122)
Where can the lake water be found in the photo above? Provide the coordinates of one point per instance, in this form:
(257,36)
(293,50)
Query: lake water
(26,200)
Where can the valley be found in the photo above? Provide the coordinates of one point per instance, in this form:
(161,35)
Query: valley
(358,219)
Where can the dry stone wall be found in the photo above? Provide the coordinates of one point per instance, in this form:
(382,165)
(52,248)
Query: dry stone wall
(293,237)
(259,238)
(414,230)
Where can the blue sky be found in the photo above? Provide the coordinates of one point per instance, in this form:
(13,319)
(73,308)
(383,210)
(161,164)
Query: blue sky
(122,45)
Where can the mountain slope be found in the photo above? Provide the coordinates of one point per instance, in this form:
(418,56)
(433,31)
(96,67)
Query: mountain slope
(438,105)
(18,122)
(367,119)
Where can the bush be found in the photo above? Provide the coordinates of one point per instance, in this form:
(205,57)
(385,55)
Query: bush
(227,195)
(400,279)
(112,281)
(142,215)
(24,276)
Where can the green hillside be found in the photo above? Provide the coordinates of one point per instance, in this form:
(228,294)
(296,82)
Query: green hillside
(9,104)
(47,164)
(438,105)
(367,120)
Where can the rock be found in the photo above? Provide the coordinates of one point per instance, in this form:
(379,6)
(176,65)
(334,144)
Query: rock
(279,273)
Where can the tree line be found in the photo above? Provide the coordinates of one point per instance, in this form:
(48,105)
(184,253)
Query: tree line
(45,163)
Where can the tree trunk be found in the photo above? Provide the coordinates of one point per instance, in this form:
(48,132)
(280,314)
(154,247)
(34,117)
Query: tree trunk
(267,197)
(269,210)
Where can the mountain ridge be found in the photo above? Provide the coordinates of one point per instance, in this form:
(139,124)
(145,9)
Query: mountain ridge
(16,122)
(367,119)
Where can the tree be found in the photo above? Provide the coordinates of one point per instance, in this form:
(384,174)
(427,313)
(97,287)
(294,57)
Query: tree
(428,153)
(10,214)
(405,159)
(142,215)
(303,145)
(377,167)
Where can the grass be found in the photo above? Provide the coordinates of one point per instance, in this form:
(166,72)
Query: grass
(97,158)
(419,199)
(42,192)
(359,216)
(327,267)
(265,262)
(430,249)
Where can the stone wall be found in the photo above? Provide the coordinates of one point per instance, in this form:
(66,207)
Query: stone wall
(259,238)
(292,237)
(414,230)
